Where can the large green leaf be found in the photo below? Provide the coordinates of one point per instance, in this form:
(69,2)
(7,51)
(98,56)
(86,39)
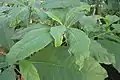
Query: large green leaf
(28,70)
(72,19)
(51,15)
(8,74)
(18,14)
(61,3)
(31,42)
(113,48)
(60,13)
(79,45)
(57,64)
(75,14)
(100,54)
(89,23)
(5,33)
(92,70)
(20,33)
(57,33)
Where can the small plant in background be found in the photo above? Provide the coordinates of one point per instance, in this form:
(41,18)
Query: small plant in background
(57,39)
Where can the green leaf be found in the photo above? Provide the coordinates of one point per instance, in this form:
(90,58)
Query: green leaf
(40,14)
(8,74)
(116,27)
(5,33)
(113,48)
(55,63)
(32,42)
(111,19)
(60,13)
(88,20)
(28,70)
(89,23)
(100,54)
(75,13)
(72,18)
(51,15)
(3,62)
(113,37)
(57,33)
(18,14)
(92,70)
(79,45)
(19,34)
(61,3)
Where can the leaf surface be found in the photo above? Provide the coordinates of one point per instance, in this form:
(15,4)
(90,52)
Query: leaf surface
(20,33)
(116,27)
(5,33)
(32,42)
(51,15)
(100,53)
(92,70)
(61,3)
(28,70)
(55,63)
(113,48)
(57,33)
(18,14)
(8,74)
(111,19)
(75,13)
(79,45)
